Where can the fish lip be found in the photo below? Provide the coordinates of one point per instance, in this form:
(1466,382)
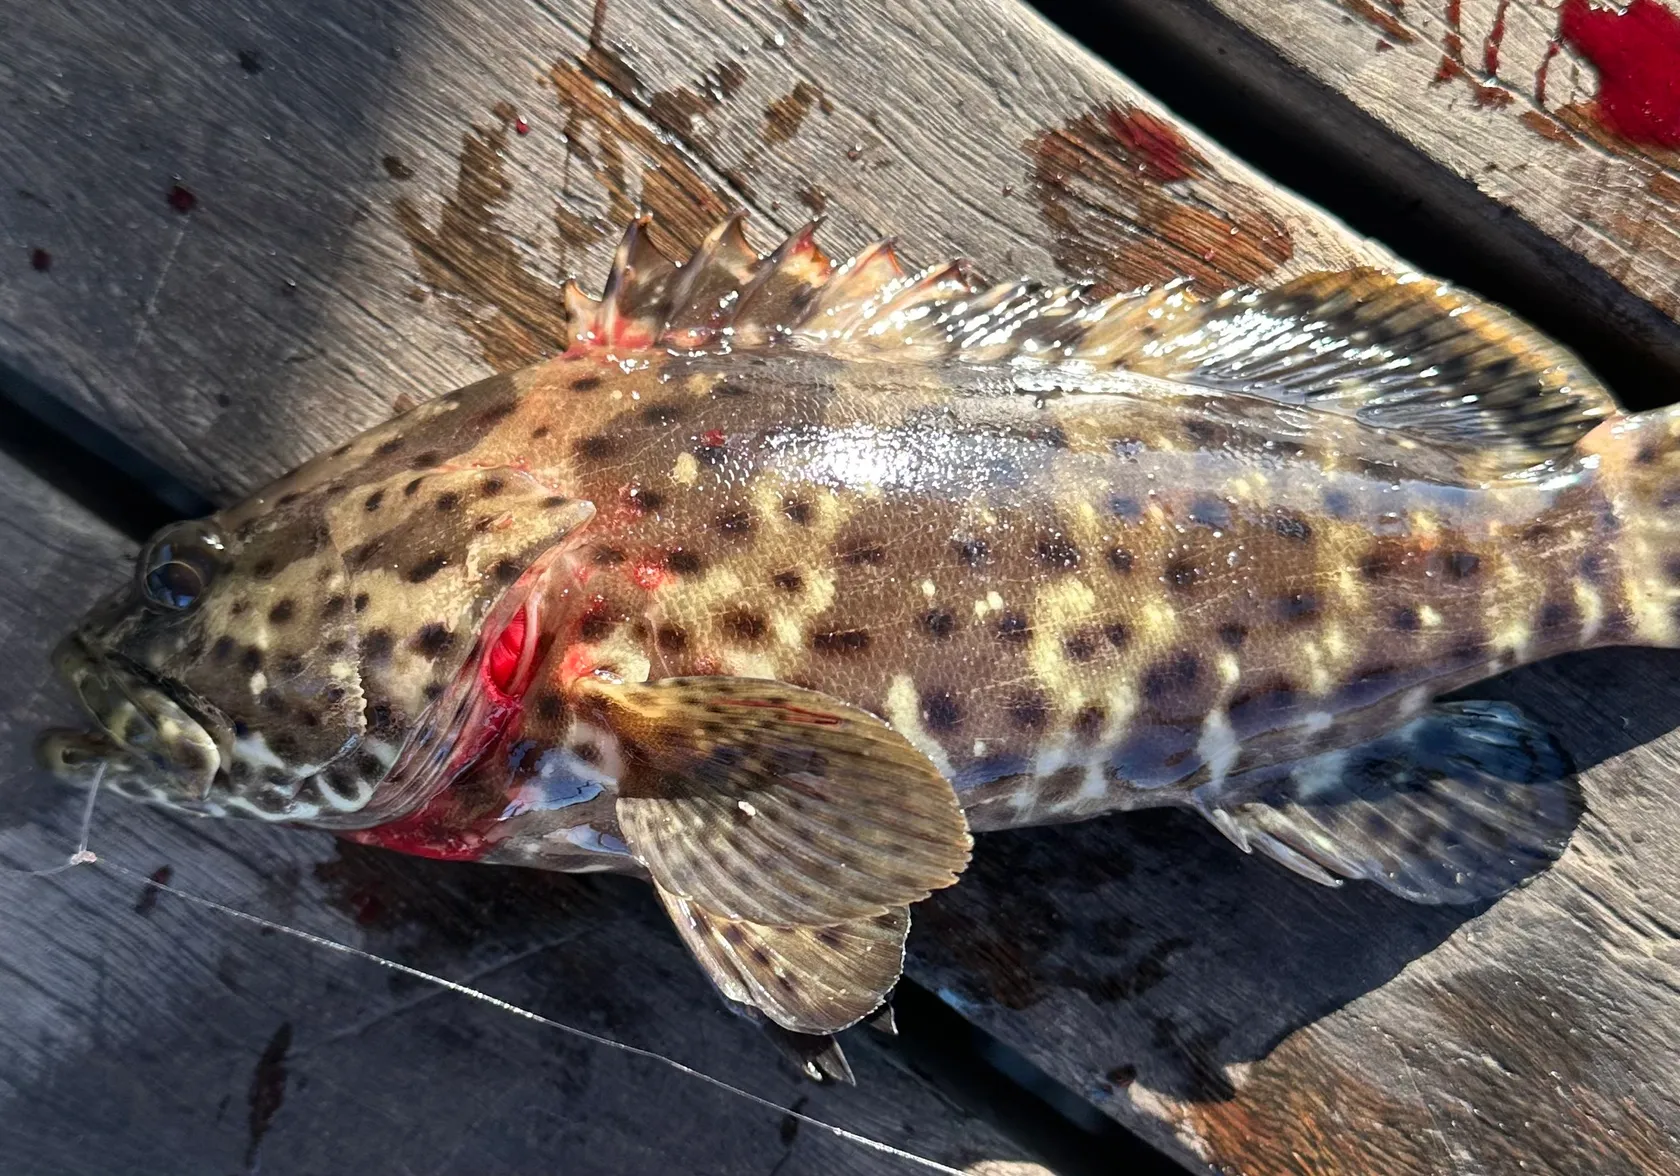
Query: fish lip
(195,722)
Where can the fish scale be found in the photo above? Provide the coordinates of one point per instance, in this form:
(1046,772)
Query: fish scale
(787,576)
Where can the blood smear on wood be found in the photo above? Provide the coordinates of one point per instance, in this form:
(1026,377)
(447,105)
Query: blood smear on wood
(1637,54)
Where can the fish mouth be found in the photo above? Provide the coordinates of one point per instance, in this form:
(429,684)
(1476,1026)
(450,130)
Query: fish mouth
(149,727)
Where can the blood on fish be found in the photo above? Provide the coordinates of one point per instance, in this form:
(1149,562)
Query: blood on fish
(502,662)
(520,126)
(1637,54)
(712,438)
(181,199)
(649,574)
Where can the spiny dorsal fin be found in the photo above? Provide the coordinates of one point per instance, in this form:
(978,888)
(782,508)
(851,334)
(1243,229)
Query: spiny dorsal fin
(1400,352)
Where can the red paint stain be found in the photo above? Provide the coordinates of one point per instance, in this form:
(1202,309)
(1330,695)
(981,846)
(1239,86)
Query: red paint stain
(40,260)
(1160,151)
(181,199)
(520,126)
(1452,60)
(1495,38)
(1637,54)
(1541,74)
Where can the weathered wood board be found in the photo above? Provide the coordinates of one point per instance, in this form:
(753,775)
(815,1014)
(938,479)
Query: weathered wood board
(1566,114)
(141,1034)
(261,226)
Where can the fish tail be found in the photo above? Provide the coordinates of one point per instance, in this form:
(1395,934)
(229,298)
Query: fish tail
(1638,469)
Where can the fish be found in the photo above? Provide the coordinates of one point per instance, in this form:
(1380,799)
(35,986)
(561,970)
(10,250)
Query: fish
(789,575)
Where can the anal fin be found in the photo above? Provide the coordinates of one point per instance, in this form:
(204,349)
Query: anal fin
(1459,805)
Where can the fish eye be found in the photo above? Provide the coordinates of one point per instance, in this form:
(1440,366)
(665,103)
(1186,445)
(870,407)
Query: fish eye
(179,564)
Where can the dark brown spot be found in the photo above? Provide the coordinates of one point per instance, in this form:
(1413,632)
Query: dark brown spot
(728,389)
(1088,723)
(939,623)
(495,414)
(223,649)
(361,601)
(1461,565)
(1297,607)
(1014,628)
(1181,574)
(1208,511)
(596,448)
(1027,708)
(1172,675)
(413,487)
(788,581)
(1292,526)
(735,522)
(586,383)
(941,711)
(447,501)
(1117,633)
(1056,551)
(971,552)
(282,611)
(1232,634)
(1080,646)
(798,510)
(377,645)
(505,571)
(333,606)
(264,568)
(1120,560)
(432,691)
(553,500)
(671,638)
(1556,614)
(684,562)
(661,414)
(1380,562)
(647,501)
(251,659)
(492,486)
(589,753)
(841,641)
(425,461)
(744,624)
(433,639)
(373,500)
(603,556)
(427,568)
(549,706)
(1405,619)
(388,447)
(1124,506)
(538,433)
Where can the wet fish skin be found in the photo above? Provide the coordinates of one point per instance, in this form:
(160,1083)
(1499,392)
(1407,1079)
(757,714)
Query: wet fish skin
(1078,557)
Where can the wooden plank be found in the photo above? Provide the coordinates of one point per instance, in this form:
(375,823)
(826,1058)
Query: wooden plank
(142,1034)
(335,255)
(1140,960)
(1491,118)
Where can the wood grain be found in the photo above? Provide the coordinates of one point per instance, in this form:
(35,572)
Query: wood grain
(384,201)
(1505,95)
(142,1034)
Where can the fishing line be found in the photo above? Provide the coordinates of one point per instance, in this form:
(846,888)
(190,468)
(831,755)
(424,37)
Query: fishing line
(83,856)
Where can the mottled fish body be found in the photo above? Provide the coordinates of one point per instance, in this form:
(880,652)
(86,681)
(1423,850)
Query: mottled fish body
(786,576)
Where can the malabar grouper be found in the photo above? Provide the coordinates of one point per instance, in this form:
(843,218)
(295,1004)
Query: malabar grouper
(787,576)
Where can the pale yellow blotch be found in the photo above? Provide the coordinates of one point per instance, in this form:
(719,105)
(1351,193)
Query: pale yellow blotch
(904,712)
(1431,619)
(1159,619)
(686,471)
(1218,746)
(1229,670)
(1591,604)
(1414,700)
(929,589)
(1319,674)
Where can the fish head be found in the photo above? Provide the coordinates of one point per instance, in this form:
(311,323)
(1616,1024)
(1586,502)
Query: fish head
(321,653)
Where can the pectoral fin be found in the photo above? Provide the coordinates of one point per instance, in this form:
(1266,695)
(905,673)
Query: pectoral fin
(1457,806)
(765,803)
(811,980)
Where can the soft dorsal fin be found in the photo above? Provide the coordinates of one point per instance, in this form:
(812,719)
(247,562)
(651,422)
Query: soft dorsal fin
(1400,352)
